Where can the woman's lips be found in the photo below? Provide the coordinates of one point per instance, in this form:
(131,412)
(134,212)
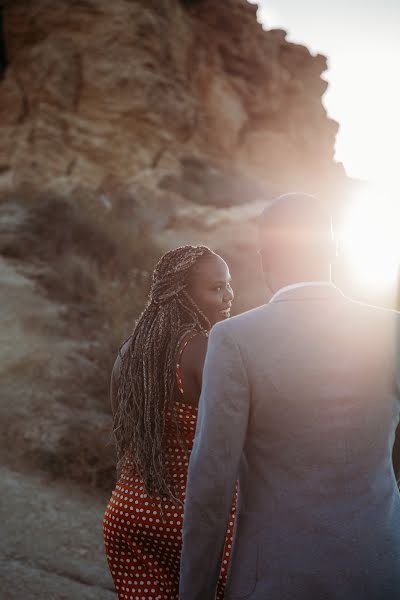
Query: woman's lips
(225,312)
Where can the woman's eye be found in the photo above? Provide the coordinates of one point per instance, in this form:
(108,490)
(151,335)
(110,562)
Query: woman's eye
(219,288)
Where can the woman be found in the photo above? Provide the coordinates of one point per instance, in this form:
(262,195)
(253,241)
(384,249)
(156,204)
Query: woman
(155,389)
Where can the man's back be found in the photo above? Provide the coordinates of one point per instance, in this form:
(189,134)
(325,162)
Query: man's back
(316,465)
(319,509)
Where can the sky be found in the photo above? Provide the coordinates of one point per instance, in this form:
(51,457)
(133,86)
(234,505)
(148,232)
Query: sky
(361,39)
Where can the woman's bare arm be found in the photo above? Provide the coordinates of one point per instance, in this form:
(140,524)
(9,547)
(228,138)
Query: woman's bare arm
(192,364)
(199,350)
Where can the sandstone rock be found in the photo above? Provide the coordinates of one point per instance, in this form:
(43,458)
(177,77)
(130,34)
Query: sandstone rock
(99,90)
(262,153)
(225,114)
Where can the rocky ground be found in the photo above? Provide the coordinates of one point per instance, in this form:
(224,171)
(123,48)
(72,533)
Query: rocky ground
(51,545)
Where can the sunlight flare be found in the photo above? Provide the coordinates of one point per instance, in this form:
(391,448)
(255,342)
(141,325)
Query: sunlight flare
(369,236)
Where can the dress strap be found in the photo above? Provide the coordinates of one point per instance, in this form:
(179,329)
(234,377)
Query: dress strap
(178,362)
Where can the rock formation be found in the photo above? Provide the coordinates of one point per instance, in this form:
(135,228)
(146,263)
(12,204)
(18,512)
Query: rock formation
(126,128)
(101,91)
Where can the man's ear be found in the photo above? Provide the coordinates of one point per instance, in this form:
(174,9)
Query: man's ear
(265,268)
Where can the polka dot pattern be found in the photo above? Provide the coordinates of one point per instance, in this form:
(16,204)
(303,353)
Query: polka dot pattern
(143,535)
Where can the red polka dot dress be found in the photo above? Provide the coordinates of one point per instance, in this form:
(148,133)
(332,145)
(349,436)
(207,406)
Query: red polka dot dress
(143,543)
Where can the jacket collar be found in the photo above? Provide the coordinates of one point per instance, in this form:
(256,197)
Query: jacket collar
(307,290)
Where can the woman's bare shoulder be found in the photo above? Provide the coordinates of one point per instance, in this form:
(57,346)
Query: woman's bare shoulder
(194,354)
(194,343)
(198,344)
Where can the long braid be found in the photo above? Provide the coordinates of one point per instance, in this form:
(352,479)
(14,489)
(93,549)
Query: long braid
(147,375)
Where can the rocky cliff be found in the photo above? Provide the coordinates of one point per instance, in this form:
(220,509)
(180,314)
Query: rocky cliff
(98,93)
(126,128)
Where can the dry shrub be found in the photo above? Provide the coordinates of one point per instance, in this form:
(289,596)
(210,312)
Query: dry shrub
(85,456)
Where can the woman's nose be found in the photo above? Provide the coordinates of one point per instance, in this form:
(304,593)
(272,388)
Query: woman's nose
(229,295)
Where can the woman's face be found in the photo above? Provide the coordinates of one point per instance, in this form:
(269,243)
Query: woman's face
(210,288)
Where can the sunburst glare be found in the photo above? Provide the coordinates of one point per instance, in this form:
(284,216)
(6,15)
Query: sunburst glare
(369,236)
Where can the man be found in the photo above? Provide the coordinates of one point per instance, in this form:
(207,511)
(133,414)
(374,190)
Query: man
(299,403)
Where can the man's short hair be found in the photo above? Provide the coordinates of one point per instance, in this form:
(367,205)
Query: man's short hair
(296,217)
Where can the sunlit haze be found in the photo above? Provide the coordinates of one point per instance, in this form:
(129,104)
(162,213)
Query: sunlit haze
(369,236)
(362,42)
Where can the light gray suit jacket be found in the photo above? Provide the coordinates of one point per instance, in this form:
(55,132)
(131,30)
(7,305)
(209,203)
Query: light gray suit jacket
(299,403)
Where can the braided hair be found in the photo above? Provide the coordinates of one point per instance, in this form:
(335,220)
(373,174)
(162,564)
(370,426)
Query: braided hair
(148,368)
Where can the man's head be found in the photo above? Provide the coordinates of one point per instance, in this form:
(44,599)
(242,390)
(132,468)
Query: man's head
(296,240)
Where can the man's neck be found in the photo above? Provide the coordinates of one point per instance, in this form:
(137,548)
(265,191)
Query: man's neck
(299,284)
(279,281)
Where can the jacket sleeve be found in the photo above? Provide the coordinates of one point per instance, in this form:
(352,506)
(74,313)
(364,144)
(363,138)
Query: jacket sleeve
(396,445)
(220,435)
